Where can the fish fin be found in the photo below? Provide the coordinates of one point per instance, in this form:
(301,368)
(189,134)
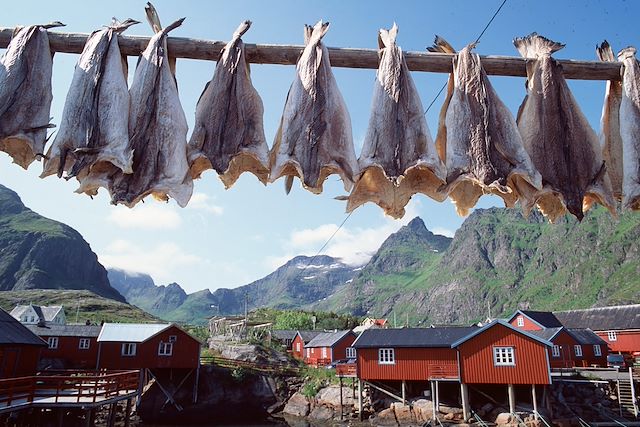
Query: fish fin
(152,17)
(122,26)
(242,28)
(534,45)
(53,24)
(440,45)
(288,183)
(604,52)
(173,25)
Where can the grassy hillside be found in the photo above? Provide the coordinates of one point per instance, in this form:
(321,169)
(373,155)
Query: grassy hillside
(87,305)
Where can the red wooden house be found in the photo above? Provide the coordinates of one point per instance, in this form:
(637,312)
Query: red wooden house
(618,326)
(328,347)
(19,348)
(146,346)
(299,341)
(529,320)
(69,346)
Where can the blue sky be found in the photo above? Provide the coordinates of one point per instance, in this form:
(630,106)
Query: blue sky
(229,238)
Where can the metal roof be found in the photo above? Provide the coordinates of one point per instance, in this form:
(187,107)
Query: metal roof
(547,333)
(586,336)
(618,317)
(327,339)
(284,334)
(545,319)
(307,335)
(56,330)
(130,332)
(14,332)
(412,337)
(508,325)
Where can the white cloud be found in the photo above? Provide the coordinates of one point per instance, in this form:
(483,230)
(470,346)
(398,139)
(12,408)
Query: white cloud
(443,231)
(147,216)
(201,202)
(162,261)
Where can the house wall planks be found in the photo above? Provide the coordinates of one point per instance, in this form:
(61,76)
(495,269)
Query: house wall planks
(188,48)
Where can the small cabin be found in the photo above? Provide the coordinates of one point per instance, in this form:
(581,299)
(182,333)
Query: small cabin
(19,348)
(328,347)
(146,346)
(370,323)
(529,320)
(299,341)
(285,337)
(574,347)
(68,346)
(34,314)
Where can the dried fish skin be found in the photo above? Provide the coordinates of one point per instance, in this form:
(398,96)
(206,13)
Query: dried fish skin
(157,132)
(229,133)
(630,128)
(25,94)
(95,119)
(398,157)
(558,137)
(314,139)
(610,138)
(484,153)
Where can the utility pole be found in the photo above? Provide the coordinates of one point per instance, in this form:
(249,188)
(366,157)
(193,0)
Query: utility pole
(246,302)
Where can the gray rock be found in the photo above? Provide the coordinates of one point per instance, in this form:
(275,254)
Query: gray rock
(504,418)
(321,413)
(297,405)
(384,418)
(330,396)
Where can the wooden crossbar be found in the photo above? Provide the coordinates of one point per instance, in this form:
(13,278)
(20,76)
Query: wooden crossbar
(181,47)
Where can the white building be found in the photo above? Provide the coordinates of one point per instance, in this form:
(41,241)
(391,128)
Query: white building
(34,314)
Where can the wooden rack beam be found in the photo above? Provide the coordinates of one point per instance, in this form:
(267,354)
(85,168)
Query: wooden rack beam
(209,50)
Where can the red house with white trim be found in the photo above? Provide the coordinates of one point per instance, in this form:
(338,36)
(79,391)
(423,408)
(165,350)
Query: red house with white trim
(19,348)
(328,347)
(299,341)
(69,346)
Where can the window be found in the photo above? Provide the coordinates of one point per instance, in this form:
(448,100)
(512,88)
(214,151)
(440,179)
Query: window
(53,342)
(386,356)
(128,349)
(596,350)
(84,343)
(612,336)
(173,338)
(308,353)
(298,347)
(351,353)
(556,351)
(503,356)
(324,352)
(577,349)
(520,321)
(165,349)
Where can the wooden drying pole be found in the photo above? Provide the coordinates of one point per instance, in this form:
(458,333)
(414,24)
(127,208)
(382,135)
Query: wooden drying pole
(181,47)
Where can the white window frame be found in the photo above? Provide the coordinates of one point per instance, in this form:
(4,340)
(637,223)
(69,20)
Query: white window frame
(555,351)
(597,351)
(308,352)
(165,349)
(504,356)
(577,350)
(298,346)
(612,335)
(520,321)
(84,343)
(128,349)
(324,353)
(53,343)
(386,356)
(351,353)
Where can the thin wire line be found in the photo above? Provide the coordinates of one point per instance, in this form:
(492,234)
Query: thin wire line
(486,27)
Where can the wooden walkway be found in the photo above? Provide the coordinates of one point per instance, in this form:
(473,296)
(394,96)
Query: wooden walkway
(69,389)
(262,368)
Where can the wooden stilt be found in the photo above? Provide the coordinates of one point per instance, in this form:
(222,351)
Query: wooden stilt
(60,416)
(127,413)
(196,384)
(436,405)
(353,388)
(341,408)
(433,400)
(404,392)
(87,418)
(112,414)
(141,383)
(512,398)
(534,399)
(360,399)
(466,408)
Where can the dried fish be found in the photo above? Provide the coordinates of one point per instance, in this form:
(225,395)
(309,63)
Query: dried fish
(630,128)
(25,94)
(157,129)
(479,139)
(229,134)
(314,139)
(557,136)
(94,126)
(398,157)
(610,138)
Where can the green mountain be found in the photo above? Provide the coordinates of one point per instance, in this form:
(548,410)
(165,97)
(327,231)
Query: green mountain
(39,253)
(498,262)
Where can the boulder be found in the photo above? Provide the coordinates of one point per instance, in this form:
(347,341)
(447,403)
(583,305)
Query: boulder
(321,413)
(404,414)
(450,410)
(486,409)
(384,418)
(330,396)
(423,410)
(504,418)
(449,416)
(297,405)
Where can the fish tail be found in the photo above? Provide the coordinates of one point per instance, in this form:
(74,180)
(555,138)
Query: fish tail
(53,24)
(387,38)
(604,52)
(152,17)
(534,45)
(242,28)
(440,45)
(119,27)
(626,53)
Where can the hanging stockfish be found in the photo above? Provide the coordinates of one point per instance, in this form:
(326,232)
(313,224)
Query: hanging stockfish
(479,141)
(630,128)
(610,138)
(157,128)
(94,131)
(557,136)
(229,134)
(25,94)
(398,157)
(314,139)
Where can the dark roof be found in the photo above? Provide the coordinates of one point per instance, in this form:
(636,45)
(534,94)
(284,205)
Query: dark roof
(602,318)
(412,337)
(14,332)
(56,330)
(327,339)
(546,333)
(284,334)
(586,336)
(308,335)
(546,319)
